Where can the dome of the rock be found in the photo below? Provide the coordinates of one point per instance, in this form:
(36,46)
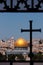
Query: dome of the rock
(21,43)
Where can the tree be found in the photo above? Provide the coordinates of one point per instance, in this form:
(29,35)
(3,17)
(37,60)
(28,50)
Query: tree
(40,42)
(11,57)
(38,56)
(2,57)
(20,57)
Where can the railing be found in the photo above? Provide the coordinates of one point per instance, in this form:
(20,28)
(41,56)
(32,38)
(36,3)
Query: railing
(31,7)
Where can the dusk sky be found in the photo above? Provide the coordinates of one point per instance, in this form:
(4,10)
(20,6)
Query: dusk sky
(11,24)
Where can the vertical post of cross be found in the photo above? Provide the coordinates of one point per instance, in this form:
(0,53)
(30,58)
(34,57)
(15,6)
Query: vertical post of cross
(31,41)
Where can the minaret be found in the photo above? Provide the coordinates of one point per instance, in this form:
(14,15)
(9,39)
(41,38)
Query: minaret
(12,42)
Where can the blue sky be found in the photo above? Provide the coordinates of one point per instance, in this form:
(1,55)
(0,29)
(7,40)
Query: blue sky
(11,24)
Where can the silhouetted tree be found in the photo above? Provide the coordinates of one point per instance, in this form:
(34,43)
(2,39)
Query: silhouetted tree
(40,42)
(38,56)
(2,57)
(11,57)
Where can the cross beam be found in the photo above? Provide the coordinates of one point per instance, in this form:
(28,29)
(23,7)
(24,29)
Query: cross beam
(31,30)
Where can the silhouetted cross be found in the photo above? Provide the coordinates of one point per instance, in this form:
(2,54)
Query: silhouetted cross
(31,30)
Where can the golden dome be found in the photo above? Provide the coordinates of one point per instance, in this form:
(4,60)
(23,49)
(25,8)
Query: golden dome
(21,43)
